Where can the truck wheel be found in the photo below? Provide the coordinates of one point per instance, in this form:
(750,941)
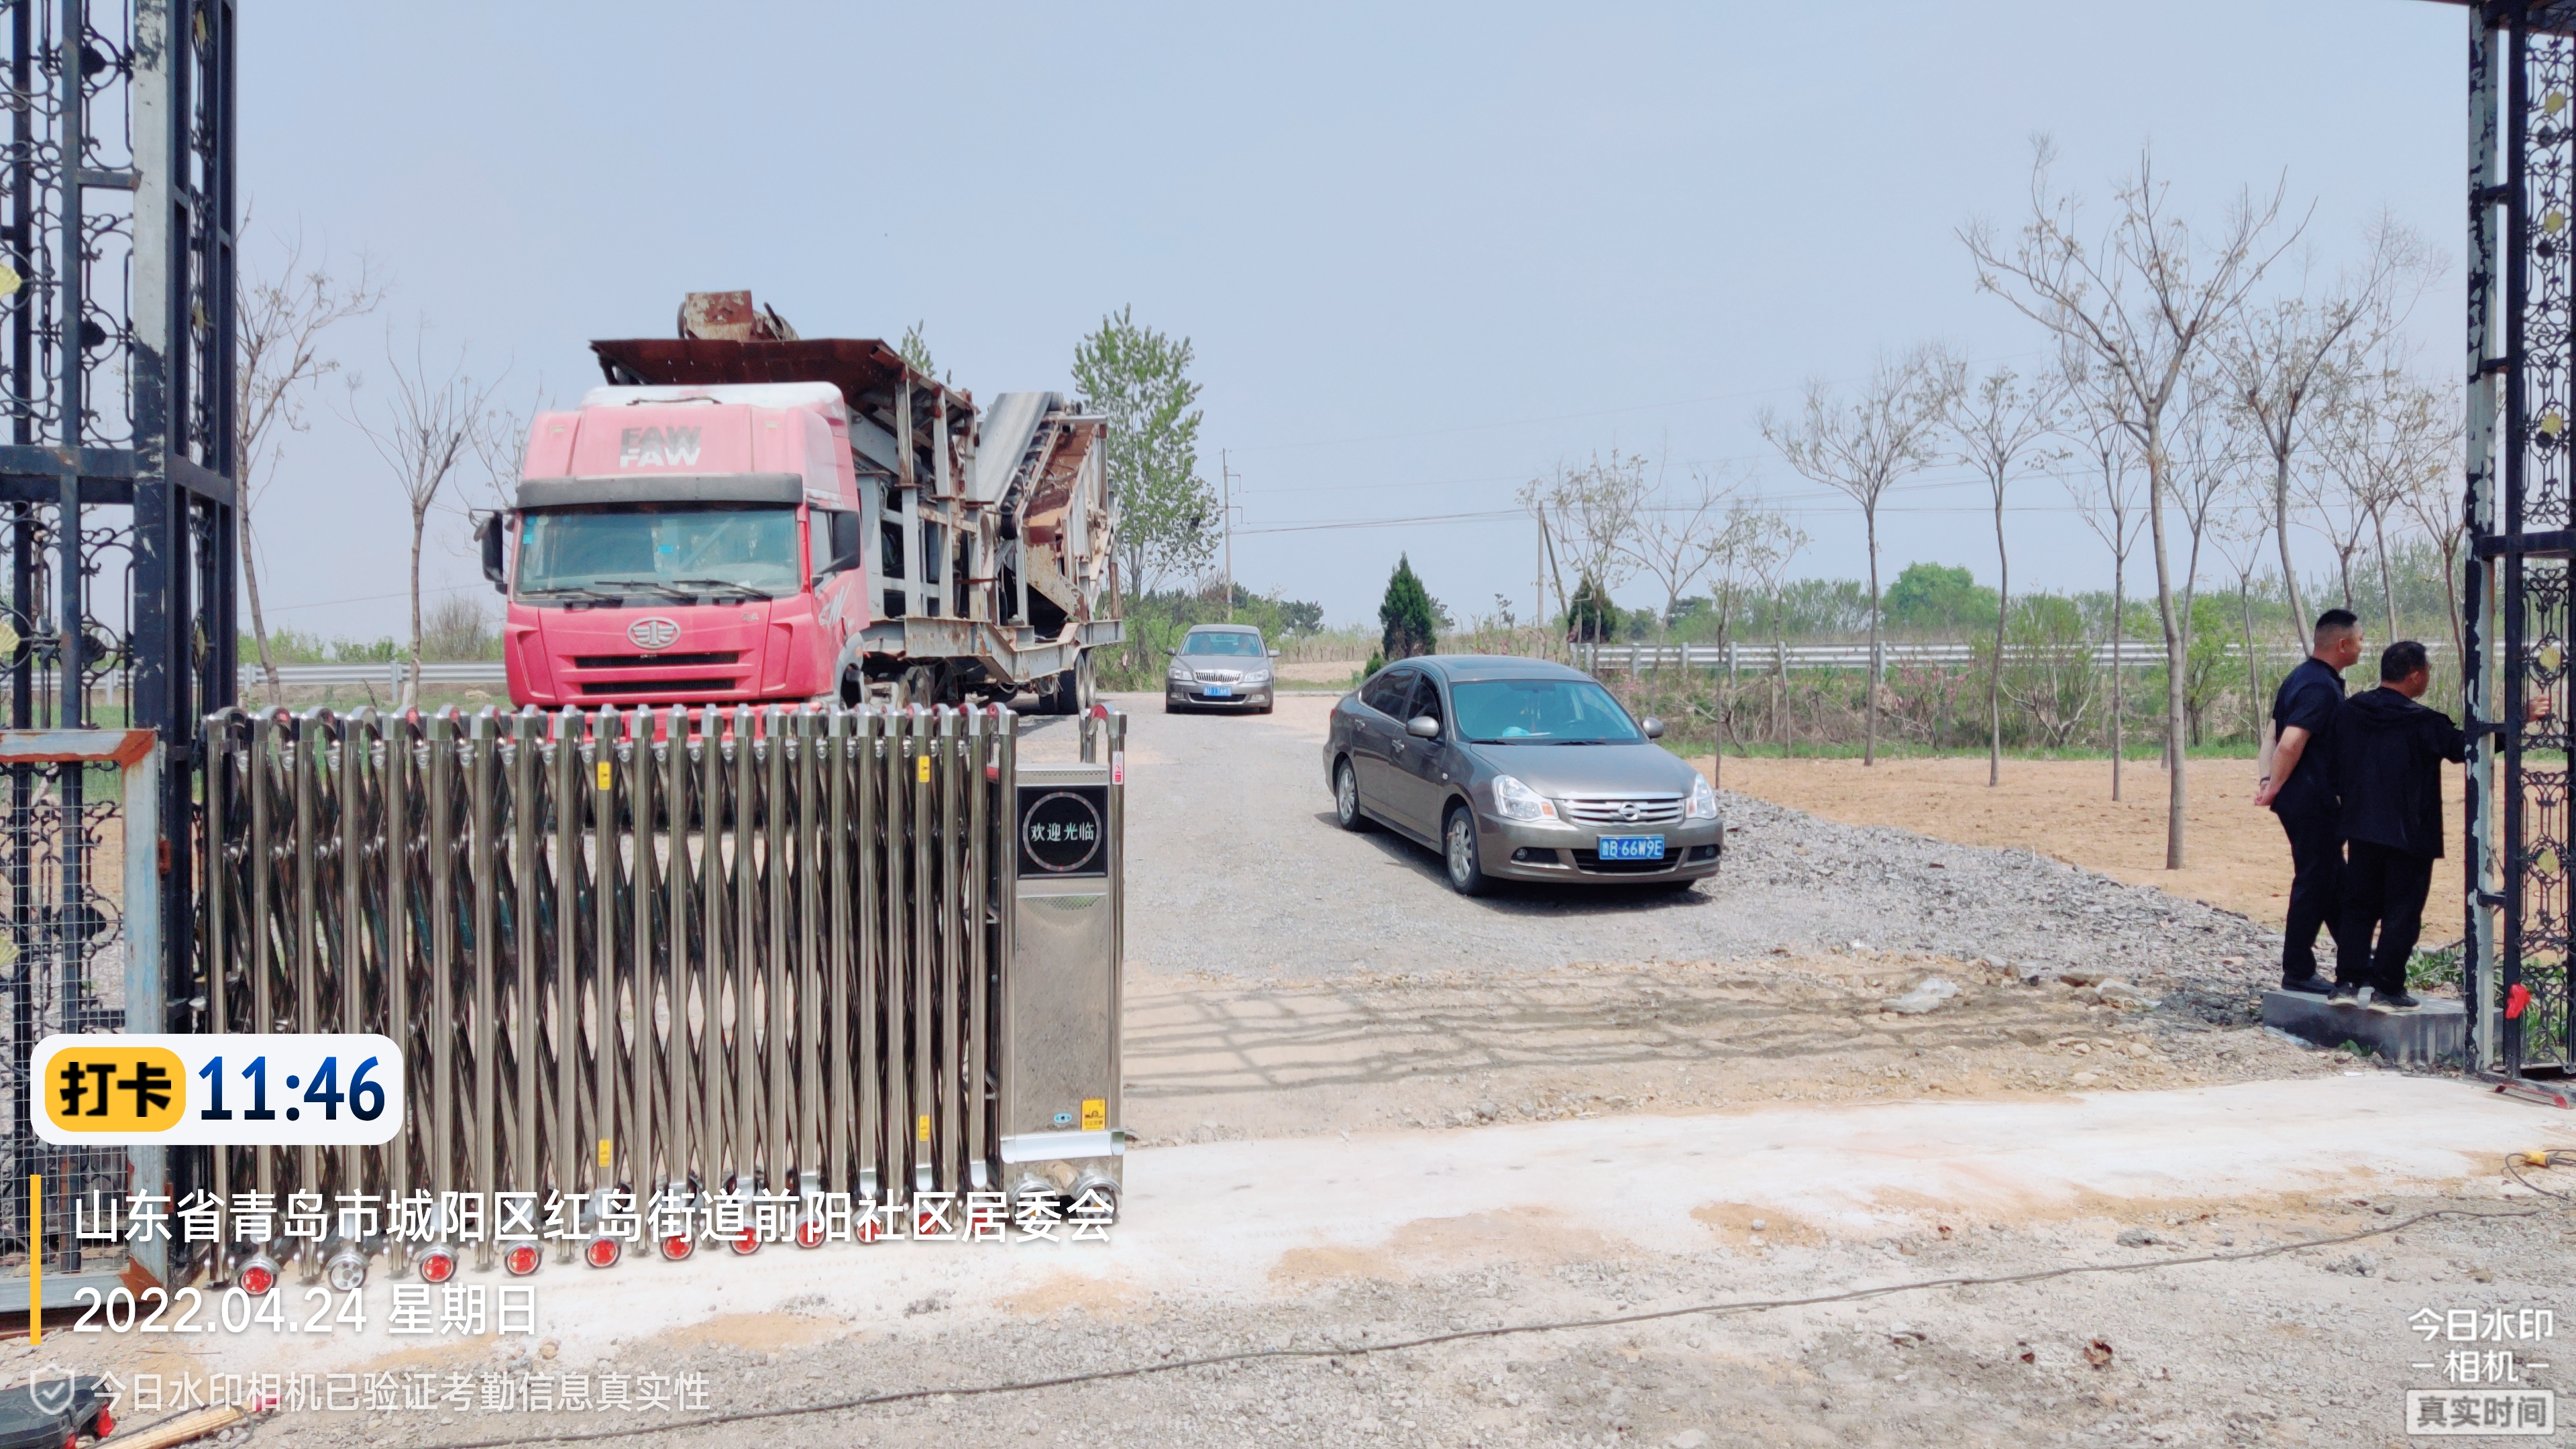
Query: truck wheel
(921,685)
(1055,693)
(1086,684)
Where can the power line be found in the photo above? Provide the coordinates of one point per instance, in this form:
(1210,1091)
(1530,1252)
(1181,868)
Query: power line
(1578,417)
(1821,507)
(1326,525)
(426,591)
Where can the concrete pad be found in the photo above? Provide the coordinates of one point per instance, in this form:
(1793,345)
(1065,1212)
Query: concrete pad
(1272,1218)
(2434,1034)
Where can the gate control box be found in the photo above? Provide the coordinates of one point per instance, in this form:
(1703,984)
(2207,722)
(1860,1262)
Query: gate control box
(1060,1114)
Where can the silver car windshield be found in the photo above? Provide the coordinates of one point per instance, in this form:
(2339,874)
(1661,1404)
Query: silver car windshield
(1240,646)
(683,548)
(1540,712)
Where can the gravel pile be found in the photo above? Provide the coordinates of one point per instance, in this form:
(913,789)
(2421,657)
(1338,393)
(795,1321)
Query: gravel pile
(2033,915)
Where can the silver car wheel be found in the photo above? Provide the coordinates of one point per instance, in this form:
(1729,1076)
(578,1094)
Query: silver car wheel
(1465,875)
(1346,798)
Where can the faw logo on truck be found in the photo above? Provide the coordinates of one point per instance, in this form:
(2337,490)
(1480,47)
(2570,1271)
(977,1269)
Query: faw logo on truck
(653,633)
(656,447)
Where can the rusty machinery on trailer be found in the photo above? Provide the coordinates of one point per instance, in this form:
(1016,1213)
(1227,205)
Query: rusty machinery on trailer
(990,535)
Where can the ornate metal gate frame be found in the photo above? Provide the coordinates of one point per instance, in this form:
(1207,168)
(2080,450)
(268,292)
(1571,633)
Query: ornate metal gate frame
(116,378)
(2521,453)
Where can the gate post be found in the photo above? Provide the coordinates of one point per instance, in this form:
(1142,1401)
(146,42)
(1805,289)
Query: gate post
(2520,502)
(2482,855)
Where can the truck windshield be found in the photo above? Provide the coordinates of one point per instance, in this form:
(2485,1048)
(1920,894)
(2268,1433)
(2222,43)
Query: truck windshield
(685,548)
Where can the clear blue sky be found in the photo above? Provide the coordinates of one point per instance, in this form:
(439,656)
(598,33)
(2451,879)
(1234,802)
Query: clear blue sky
(1423,253)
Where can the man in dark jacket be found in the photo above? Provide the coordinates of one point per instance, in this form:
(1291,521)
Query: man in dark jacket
(2388,769)
(2298,784)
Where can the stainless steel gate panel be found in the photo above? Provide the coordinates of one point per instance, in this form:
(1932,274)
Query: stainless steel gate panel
(678,957)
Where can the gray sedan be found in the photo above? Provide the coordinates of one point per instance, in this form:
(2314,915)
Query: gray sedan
(1219,666)
(1518,769)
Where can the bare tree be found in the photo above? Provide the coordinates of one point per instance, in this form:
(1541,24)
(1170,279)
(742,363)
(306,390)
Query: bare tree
(2434,504)
(1861,448)
(2112,510)
(2240,534)
(500,450)
(1591,513)
(1675,541)
(1752,549)
(1769,543)
(2386,440)
(1999,426)
(279,321)
(2208,476)
(427,426)
(2334,492)
(2146,299)
(2283,360)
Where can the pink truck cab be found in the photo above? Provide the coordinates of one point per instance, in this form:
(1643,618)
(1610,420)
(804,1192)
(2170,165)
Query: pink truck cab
(683,544)
(745,515)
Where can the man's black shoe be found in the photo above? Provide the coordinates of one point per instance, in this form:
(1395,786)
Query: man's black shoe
(2308,985)
(2393,1001)
(2342,992)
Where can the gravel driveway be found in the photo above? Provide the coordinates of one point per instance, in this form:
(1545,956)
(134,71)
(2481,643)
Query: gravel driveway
(1236,868)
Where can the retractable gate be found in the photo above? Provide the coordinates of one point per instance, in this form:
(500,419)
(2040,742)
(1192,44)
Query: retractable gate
(673,956)
(2521,536)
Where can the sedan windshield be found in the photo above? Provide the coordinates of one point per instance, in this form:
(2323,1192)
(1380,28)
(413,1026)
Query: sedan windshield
(1540,712)
(666,549)
(1240,646)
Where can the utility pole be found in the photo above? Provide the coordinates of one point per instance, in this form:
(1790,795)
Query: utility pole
(1225,472)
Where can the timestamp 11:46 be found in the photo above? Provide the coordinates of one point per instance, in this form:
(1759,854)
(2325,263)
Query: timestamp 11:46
(365,1098)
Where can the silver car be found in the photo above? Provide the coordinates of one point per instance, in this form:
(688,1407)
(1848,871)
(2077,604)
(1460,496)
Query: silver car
(1519,769)
(1220,666)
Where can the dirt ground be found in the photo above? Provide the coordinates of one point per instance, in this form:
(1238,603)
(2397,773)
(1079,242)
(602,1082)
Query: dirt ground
(1211,1060)
(2063,809)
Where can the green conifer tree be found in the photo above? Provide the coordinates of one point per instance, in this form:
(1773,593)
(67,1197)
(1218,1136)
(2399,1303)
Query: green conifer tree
(1591,617)
(1410,620)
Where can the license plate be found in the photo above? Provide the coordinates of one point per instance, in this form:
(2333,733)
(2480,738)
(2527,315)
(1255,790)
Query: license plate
(1632,847)
(1219,691)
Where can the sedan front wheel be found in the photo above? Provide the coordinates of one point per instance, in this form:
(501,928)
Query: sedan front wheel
(1466,868)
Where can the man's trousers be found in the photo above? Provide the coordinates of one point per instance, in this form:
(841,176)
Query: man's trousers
(2383,890)
(2316,886)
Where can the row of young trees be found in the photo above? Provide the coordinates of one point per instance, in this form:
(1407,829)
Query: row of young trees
(2209,398)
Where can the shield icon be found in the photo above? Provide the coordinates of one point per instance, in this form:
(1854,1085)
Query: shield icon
(654,633)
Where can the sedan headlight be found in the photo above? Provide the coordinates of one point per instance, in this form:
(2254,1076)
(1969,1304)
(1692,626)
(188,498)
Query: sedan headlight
(1703,800)
(1182,675)
(1516,801)
(1257,676)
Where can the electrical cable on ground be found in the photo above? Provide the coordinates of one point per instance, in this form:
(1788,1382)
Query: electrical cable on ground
(1274,1355)
(2514,1165)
